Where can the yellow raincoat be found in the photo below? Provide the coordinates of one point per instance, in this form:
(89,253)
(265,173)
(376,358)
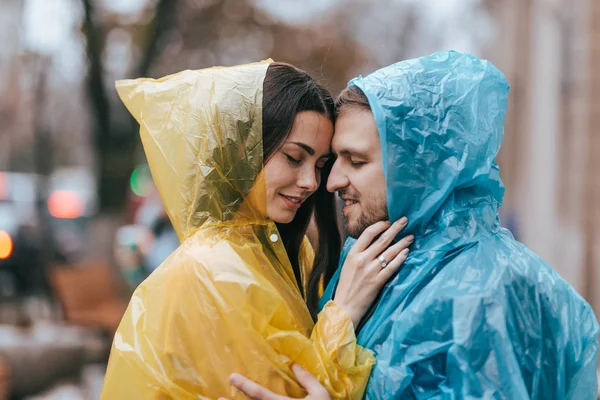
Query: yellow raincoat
(226,300)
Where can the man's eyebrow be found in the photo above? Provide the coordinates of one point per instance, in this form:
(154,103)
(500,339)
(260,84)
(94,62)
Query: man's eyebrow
(306,148)
(352,152)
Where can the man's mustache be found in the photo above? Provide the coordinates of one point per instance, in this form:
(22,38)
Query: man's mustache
(347,194)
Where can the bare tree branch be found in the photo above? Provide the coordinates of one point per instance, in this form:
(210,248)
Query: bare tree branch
(95,80)
(113,145)
(162,22)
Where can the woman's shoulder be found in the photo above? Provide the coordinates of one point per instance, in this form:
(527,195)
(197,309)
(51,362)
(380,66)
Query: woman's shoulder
(212,260)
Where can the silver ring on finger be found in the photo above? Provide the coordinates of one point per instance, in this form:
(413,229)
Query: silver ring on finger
(382,261)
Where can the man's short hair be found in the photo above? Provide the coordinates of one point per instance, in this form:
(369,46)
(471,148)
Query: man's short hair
(351,98)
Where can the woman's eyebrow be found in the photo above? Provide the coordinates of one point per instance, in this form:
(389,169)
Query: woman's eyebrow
(305,147)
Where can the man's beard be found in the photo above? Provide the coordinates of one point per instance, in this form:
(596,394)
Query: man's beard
(375,212)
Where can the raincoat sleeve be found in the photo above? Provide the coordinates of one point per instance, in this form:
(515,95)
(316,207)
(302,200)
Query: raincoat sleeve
(188,327)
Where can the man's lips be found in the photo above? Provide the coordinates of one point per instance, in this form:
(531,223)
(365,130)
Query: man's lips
(348,203)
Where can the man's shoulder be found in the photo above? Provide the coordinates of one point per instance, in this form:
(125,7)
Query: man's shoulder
(496,263)
(494,272)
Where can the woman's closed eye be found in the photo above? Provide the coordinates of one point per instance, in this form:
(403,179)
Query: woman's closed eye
(292,160)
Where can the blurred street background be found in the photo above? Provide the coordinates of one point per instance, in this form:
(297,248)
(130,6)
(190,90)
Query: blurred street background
(81,223)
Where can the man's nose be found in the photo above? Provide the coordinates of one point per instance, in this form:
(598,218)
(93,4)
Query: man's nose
(337,178)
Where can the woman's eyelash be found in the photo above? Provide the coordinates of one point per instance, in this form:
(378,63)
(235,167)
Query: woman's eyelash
(292,159)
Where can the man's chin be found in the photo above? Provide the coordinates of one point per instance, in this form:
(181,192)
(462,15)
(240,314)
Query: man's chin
(357,227)
(353,230)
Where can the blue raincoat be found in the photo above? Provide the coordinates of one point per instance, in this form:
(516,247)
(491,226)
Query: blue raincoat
(473,313)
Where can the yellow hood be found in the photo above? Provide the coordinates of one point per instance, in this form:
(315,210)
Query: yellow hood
(202,134)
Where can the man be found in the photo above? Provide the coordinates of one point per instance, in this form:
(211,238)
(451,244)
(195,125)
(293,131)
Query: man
(473,313)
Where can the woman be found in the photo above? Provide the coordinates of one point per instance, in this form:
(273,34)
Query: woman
(237,155)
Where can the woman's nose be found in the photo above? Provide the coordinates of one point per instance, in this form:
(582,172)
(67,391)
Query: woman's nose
(308,180)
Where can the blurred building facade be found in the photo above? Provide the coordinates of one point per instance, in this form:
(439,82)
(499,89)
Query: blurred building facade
(550,160)
(10,19)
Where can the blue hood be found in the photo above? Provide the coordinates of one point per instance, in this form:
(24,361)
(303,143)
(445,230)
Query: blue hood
(441,123)
(472,313)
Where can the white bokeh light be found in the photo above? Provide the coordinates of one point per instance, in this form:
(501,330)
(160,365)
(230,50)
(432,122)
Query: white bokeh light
(48,24)
(125,6)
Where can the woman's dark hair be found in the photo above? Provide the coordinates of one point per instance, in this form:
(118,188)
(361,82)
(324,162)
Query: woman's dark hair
(288,91)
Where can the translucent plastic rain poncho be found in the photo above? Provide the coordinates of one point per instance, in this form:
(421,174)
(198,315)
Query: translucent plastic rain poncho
(473,314)
(226,300)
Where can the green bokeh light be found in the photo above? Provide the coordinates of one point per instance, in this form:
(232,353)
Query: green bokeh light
(141,181)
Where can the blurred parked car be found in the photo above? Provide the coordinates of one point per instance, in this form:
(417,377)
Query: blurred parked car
(21,264)
(71,203)
(142,245)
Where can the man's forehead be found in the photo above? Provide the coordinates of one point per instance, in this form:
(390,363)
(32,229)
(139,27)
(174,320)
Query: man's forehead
(355,134)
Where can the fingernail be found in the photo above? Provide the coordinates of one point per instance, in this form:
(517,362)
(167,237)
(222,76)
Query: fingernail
(235,379)
(404,252)
(297,367)
(410,238)
(403,221)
